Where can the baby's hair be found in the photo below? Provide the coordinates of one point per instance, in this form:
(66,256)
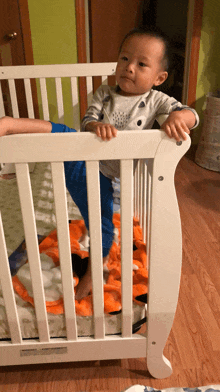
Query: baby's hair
(155,33)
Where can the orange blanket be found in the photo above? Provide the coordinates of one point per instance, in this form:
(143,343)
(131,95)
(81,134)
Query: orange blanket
(112,287)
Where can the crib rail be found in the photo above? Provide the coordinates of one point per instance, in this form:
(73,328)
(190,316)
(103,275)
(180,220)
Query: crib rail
(57,86)
(45,76)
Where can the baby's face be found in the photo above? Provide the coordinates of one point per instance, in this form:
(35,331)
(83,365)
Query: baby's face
(139,65)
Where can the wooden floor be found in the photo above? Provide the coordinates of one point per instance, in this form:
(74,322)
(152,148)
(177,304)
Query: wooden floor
(193,346)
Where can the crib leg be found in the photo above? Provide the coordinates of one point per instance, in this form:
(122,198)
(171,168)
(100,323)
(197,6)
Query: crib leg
(158,365)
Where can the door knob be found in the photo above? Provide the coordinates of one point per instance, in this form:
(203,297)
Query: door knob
(11,36)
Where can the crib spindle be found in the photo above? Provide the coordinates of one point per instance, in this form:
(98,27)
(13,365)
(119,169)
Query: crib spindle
(59,95)
(30,107)
(64,248)
(126,167)
(141,193)
(74,91)
(94,208)
(27,208)
(8,293)
(43,89)
(105,80)
(2,109)
(89,86)
(136,191)
(144,201)
(149,191)
(13,96)
(75,102)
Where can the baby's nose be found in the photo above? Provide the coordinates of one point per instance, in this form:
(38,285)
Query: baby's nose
(130,67)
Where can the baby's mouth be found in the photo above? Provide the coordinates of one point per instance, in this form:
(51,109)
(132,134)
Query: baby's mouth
(126,78)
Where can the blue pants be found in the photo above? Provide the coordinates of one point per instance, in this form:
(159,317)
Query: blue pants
(75,173)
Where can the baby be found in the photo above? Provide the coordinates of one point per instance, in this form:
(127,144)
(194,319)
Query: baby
(142,64)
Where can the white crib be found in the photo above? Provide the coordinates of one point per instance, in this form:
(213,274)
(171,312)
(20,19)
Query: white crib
(150,195)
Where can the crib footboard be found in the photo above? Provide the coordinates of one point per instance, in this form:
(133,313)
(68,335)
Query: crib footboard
(148,195)
(157,205)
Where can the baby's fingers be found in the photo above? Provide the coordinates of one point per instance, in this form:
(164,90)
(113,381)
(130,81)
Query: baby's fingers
(108,132)
(177,131)
(114,131)
(182,129)
(98,132)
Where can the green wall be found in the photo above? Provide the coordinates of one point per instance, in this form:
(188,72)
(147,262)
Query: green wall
(53,33)
(209,59)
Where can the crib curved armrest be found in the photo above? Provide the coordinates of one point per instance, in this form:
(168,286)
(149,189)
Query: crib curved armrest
(165,254)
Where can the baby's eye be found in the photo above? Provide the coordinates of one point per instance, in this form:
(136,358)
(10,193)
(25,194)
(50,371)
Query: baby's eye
(124,58)
(142,64)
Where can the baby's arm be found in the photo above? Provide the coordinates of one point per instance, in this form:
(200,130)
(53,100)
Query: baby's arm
(178,123)
(104,131)
(10,125)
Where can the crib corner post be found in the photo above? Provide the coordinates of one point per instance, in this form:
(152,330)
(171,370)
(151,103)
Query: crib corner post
(165,254)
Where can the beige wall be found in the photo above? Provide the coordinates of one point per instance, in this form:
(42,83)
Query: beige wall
(53,33)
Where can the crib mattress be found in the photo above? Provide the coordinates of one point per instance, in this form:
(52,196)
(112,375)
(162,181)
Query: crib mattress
(45,220)
(57,328)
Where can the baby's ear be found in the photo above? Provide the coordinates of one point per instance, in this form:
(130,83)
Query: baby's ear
(162,76)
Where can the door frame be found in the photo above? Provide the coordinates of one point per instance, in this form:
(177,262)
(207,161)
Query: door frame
(193,35)
(26,31)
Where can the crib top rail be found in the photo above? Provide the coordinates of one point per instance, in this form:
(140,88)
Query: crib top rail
(86,146)
(57,70)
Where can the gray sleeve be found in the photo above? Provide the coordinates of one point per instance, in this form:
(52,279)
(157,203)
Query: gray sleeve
(166,105)
(94,111)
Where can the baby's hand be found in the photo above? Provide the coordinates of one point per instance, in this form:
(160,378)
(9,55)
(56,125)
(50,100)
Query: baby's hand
(104,131)
(175,126)
(4,125)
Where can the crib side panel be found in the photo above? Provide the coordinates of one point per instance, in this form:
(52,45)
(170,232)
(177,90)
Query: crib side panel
(23,178)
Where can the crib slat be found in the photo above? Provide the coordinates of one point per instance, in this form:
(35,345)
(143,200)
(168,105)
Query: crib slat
(75,103)
(149,191)
(94,207)
(2,109)
(43,89)
(64,248)
(138,189)
(74,90)
(27,208)
(144,201)
(105,80)
(59,94)
(8,293)
(126,167)
(136,192)
(141,193)
(13,96)
(30,107)
(89,85)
